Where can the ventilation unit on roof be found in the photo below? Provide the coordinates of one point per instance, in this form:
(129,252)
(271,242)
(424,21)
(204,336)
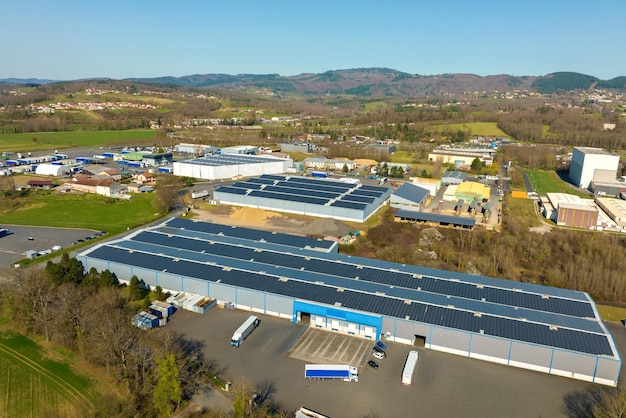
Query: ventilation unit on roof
(451,306)
(407,317)
(226,268)
(340,289)
(164,270)
(480,286)
(419,288)
(130,251)
(359,266)
(478,314)
(545,297)
(257,250)
(338,304)
(483,299)
(283,279)
(307,258)
(417,276)
(252,259)
(407,301)
(261,240)
(302,268)
(454,280)
(482,331)
(219,281)
(393,270)
(319,282)
(170,235)
(523,318)
(176,260)
(380,293)
(517,289)
(553,328)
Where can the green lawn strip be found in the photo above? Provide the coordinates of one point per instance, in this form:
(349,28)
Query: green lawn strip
(544,181)
(524,211)
(43,381)
(42,141)
(611,313)
(80,211)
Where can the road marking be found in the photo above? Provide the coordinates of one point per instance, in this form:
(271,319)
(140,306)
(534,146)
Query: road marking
(267,344)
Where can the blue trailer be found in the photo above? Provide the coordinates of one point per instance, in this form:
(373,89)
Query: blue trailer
(322,174)
(331,371)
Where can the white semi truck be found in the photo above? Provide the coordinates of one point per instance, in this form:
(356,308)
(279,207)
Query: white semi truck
(409,368)
(244,330)
(331,371)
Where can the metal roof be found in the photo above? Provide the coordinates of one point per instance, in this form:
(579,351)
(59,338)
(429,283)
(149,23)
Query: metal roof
(435,217)
(411,193)
(229,159)
(536,314)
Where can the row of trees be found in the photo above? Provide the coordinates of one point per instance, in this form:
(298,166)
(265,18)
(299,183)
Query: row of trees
(90,315)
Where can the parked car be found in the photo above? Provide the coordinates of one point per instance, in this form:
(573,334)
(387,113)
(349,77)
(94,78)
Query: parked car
(381,345)
(378,349)
(624,322)
(372,364)
(378,355)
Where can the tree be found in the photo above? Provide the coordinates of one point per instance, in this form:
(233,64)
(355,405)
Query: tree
(167,393)
(135,289)
(477,165)
(167,196)
(345,168)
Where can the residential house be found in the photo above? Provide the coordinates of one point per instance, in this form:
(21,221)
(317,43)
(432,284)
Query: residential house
(86,184)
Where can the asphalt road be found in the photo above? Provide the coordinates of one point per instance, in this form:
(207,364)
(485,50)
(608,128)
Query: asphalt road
(444,385)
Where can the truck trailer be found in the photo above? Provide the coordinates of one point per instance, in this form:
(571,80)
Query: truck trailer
(244,330)
(331,371)
(409,368)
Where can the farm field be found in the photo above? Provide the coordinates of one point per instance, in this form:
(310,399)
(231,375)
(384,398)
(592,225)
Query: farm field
(488,129)
(79,211)
(50,141)
(34,386)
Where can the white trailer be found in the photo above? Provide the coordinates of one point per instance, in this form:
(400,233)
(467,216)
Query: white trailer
(244,330)
(409,368)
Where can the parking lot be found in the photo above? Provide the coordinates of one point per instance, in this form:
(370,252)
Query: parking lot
(444,385)
(13,247)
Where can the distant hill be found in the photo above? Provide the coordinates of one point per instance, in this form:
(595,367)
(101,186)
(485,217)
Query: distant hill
(563,81)
(377,82)
(33,81)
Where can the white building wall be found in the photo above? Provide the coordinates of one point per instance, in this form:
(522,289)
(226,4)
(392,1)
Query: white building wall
(585,161)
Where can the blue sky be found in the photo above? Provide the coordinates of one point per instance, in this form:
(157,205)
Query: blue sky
(71,39)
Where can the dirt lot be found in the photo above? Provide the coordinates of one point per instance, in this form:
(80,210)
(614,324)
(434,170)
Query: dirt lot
(273,221)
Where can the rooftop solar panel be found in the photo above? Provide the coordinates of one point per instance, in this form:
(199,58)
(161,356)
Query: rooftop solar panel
(349,205)
(288,197)
(569,339)
(232,190)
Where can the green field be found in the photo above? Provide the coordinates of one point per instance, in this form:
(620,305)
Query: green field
(371,106)
(488,129)
(50,141)
(549,182)
(79,211)
(34,386)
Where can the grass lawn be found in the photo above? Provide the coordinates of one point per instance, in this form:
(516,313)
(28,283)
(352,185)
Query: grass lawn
(78,211)
(550,182)
(401,157)
(489,129)
(50,141)
(375,105)
(35,386)
(611,313)
(523,210)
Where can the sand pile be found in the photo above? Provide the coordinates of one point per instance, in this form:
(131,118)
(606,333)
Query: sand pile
(324,226)
(253,215)
(363,162)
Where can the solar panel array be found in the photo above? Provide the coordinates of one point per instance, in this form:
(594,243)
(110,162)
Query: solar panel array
(570,339)
(203,250)
(229,159)
(308,190)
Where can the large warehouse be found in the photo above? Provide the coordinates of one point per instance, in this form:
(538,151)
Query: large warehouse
(347,201)
(229,166)
(592,163)
(540,328)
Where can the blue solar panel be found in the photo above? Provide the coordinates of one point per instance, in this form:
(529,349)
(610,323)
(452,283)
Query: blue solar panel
(301,191)
(246,185)
(355,198)
(288,197)
(348,205)
(232,190)
(272,177)
(371,193)
(569,339)
(260,180)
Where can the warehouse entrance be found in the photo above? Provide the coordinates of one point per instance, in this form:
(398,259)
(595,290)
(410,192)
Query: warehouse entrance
(305,318)
(419,341)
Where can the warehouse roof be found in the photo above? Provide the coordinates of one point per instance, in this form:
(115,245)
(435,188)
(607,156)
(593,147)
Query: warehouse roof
(228,159)
(526,312)
(411,192)
(409,215)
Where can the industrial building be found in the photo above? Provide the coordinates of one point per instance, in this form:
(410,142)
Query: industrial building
(592,163)
(229,166)
(570,210)
(453,177)
(462,156)
(614,208)
(303,147)
(434,218)
(55,170)
(321,163)
(323,198)
(545,329)
(432,185)
(409,197)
